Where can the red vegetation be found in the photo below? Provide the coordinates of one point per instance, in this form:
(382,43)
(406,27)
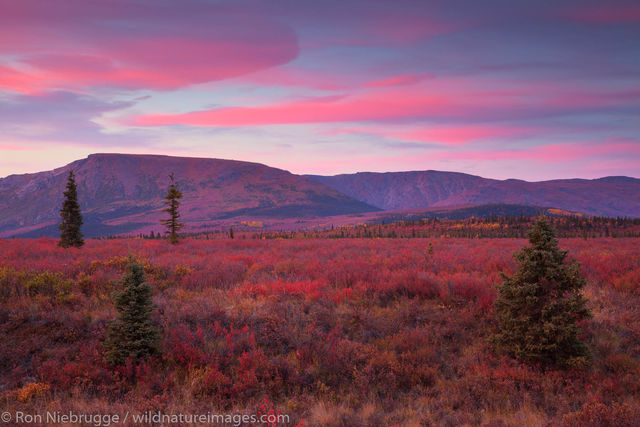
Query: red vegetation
(351,331)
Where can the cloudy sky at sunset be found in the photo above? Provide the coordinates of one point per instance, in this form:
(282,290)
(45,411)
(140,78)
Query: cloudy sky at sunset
(525,89)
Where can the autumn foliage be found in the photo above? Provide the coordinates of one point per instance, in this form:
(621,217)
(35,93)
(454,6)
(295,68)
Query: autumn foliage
(331,331)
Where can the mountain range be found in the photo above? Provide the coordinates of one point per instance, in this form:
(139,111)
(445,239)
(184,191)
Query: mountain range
(609,196)
(123,193)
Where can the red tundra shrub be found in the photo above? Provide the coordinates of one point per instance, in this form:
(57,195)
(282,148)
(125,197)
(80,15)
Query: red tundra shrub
(597,414)
(377,331)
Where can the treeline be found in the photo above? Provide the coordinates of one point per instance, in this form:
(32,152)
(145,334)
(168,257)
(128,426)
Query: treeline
(471,228)
(492,227)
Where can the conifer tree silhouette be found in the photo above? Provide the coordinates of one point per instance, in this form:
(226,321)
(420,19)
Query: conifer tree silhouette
(70,233)
(172,200)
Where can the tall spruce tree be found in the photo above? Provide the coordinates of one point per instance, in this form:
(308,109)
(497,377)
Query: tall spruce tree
(539,307)
(71,235)
(132,334)
(172,200)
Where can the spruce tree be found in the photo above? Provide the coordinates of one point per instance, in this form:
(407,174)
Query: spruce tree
(539,307)
(172,200)
(70,235)
(132,334)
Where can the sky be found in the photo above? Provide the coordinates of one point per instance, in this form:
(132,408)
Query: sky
(522,89)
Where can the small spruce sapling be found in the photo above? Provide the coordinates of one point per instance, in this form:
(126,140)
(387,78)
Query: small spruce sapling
(132,334)
(539,308)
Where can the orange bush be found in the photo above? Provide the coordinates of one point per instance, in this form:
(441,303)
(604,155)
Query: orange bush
(31,391)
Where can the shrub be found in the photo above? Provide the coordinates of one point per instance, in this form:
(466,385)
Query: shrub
(597,414)
(32,390)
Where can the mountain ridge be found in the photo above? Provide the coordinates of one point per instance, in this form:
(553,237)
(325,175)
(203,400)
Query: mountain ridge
(123,193)
(116,189)
(606,196)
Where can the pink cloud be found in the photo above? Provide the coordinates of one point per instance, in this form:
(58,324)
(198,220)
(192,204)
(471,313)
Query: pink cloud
(359,107)
(561,152)
(11,147)
(456,98)
(444,135)
(444,97)
(134,45)
(460,135)
(11,79)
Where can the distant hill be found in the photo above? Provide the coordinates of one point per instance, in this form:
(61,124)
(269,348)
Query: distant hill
(121,193)
(610,196)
